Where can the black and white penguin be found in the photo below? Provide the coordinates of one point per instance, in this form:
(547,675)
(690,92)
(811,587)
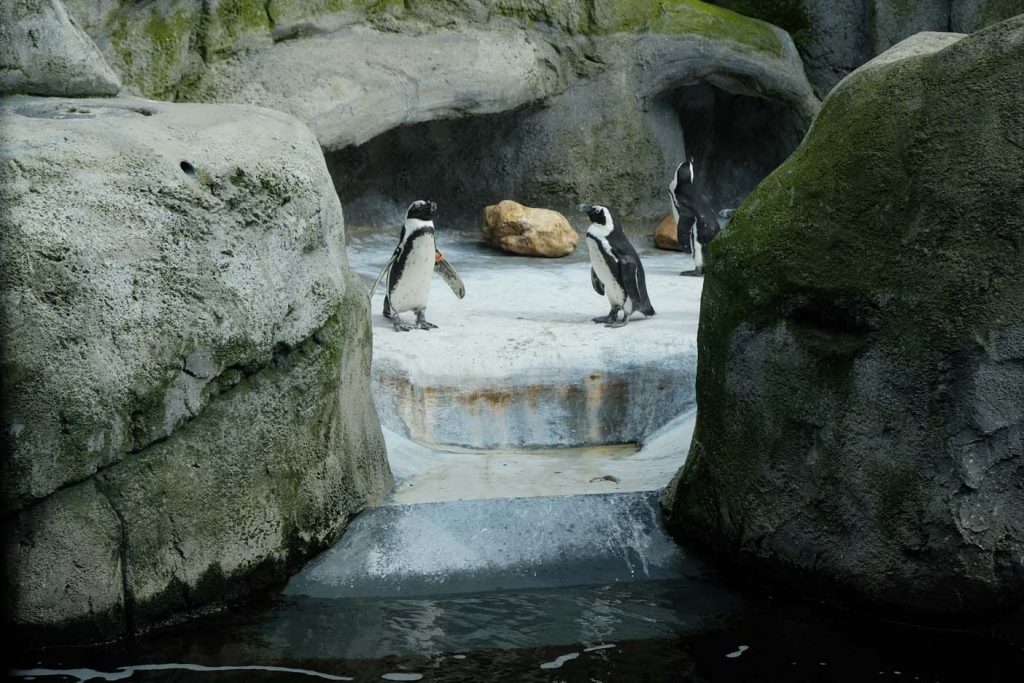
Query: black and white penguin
(410,267)
(696,221)
(615,268)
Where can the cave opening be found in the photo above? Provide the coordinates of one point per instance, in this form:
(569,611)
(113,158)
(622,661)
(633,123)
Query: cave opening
(735,138)
(462,164)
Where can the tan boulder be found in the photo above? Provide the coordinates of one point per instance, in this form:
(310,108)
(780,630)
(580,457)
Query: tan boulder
(665,234)
(519,229)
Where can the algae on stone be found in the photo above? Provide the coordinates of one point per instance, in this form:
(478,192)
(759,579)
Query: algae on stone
(181,335)
(852,436)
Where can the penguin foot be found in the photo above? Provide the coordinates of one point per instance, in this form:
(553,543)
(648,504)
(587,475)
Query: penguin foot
(618,323)
(400,325)
(421,322)
(694,273)
(604,319)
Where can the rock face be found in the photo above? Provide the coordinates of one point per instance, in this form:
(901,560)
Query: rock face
(861,373)
(665,235)
(185,361)
(553,102)
(837,36)
(43,52)
(526,231)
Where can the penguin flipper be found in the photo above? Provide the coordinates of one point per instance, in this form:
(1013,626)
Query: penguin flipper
(450,276)
(384,271)
(596,282)
(631,275)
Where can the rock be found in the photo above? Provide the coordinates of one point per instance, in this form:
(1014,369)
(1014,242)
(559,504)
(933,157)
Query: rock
(837,37)
(613,136)
(185,359)
(924,43)
(569,102)
(861,353)
(43,52)
(665,235)
(527,231)
(354,85)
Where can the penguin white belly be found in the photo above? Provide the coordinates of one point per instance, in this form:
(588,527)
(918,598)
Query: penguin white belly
(695,247)
(413,286)
(616,295)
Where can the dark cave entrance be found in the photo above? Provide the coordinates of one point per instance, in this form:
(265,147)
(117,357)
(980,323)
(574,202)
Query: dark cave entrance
(462,164)
(736,139)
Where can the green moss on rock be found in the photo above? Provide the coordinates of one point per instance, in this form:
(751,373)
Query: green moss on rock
(154,47)
(689,16)
(846,406)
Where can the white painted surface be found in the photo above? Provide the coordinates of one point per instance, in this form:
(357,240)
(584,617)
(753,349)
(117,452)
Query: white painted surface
(426,475)
(519,363)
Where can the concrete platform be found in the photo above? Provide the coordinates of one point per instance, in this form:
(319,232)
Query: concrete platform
(519,364)
(428,475)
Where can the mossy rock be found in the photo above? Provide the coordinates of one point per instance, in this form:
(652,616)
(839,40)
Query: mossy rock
(861,377)
(185,371)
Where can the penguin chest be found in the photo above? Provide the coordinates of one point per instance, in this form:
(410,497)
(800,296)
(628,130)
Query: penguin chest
(696,248)
(411,284)
(612,289)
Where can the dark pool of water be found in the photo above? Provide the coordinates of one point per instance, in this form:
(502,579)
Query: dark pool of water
(677,630)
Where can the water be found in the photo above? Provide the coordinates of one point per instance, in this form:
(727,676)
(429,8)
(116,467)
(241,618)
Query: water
(481,545)
(670,630)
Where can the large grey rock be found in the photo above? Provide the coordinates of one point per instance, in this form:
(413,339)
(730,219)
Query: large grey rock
(183,344)
(357,83)
(550,102)
(43,52)
(860,381)
(837,36)
(612,136)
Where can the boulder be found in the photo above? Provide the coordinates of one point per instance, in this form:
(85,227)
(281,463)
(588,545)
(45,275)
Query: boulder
(665,235)
(353,85)
(187,413)
(550,101)
(43,52)
(526,231)
(837,36)
(861,348)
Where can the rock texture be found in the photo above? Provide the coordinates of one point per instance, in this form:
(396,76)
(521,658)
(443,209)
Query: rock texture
(185,359)
(861,372)
(526,231)
(613,136)
(353,85)
(550,101)
(43,52)
(837,36)
(665,234)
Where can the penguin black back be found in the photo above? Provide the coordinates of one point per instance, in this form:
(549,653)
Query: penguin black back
(691,202)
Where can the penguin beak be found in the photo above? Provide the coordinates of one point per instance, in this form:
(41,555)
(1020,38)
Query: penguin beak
(583,208)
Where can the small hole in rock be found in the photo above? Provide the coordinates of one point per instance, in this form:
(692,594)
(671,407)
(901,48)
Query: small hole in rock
(189,169)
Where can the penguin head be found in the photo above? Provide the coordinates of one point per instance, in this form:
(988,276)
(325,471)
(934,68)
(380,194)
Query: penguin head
(684,173)
(597,214)
(421,209)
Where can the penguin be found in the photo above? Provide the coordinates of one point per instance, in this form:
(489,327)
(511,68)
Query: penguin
(615,268)
(684,244)
(410,267)
(698,218)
